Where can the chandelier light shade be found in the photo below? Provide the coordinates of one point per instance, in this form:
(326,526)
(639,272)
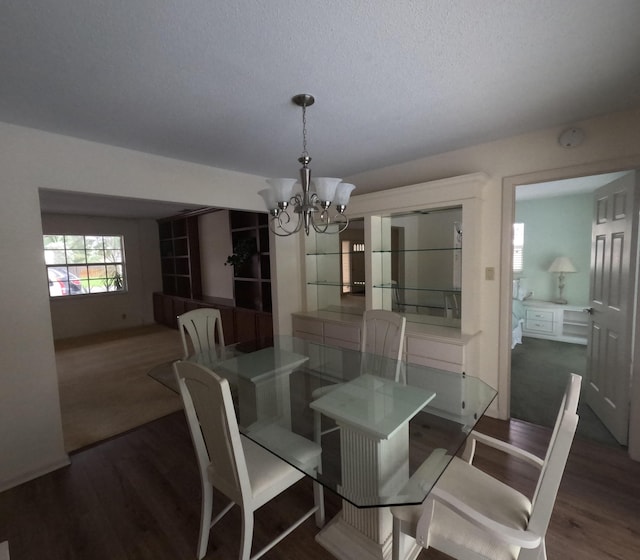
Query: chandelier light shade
(313,205)
(561,265)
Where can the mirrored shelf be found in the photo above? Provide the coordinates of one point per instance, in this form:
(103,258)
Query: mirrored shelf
(327,253)
(419,288)
(343,284)
(422,250)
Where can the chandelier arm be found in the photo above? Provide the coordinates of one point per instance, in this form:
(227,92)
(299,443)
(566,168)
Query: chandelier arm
(340,220)
(320,228)
(278,226)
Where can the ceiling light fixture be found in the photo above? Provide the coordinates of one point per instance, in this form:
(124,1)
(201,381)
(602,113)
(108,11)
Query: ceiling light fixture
(312,207)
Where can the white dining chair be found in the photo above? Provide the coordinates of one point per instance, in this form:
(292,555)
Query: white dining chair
(203,326)
(381,347)
(242,470)
(470,515)
(382,337)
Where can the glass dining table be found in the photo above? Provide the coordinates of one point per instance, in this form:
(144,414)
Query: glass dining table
(395,430)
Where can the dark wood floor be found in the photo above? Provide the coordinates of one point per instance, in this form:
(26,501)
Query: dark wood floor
(137,497)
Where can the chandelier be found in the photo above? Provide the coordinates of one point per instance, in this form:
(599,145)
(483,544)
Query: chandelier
(311,207)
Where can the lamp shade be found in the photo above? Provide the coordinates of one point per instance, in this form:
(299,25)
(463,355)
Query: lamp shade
(326,187)
(282,188)
(562,264)
(269,198)
(343,192)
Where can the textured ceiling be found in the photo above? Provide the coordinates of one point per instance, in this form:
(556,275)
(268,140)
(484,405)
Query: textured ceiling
(210,81)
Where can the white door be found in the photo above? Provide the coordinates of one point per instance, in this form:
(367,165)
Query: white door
(613,266)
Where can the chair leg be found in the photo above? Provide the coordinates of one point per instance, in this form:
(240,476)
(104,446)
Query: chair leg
(318,498)
(247,533)
(398,540)
(205,519)
(317,434)
(543,550)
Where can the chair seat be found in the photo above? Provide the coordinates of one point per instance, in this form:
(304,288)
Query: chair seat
(481,492)
(297,449)
(268,475)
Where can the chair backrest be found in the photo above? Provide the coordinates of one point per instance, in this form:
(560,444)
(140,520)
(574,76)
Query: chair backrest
(203,326)
(382,335)
(214,429)
(556,458)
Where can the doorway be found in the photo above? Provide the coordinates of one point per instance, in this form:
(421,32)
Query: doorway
(551,290)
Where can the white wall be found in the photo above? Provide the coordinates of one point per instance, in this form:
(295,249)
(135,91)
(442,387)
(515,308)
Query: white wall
(30,429)
(612,143)
(553,227)
(74,316)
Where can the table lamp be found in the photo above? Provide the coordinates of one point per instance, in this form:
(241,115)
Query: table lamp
(562,265)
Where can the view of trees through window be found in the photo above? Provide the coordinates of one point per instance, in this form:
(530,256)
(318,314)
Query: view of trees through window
(84,264)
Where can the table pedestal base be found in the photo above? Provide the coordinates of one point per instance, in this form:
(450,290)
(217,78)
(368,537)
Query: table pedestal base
(345,542)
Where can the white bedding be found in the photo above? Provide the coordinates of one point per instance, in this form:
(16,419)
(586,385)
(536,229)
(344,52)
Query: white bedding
(517,320)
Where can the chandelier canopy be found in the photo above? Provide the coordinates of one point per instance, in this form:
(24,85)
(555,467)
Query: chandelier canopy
(311,206)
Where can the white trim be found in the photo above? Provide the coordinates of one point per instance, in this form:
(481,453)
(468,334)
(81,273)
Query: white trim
(509,185)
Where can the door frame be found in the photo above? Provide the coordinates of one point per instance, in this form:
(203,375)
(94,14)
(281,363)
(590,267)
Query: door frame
(509,185)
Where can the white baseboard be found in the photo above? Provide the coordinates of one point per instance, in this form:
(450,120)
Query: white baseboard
(30,475)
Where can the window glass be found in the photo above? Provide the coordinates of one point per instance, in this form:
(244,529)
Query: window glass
(518,247)
(84,264)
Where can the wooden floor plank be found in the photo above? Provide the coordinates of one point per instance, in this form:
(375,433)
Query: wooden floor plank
(137,497)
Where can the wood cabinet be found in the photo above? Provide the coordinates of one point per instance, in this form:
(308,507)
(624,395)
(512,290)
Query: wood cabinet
(252,278)
(238,325)
(180,256)
(553,321)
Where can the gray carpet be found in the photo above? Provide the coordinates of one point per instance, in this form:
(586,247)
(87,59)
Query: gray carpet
(539,370)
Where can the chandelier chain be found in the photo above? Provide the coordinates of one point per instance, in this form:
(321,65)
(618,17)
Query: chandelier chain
(305,153)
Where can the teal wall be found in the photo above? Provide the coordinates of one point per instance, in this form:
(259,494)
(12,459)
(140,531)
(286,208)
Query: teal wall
(554,227)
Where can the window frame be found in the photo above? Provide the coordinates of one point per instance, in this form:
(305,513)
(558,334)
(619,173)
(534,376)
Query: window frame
(85,264)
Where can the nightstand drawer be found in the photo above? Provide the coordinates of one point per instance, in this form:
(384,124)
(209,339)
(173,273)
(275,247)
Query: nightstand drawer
(539,315)
(538,325)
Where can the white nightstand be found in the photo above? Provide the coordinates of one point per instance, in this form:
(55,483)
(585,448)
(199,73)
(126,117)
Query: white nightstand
(554,321)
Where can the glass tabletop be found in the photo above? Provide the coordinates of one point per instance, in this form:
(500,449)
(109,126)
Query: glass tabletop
(395,426)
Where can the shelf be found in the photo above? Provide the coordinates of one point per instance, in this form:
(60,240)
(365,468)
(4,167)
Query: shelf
(397,251)
(405,288)
(180,256)
(345,284)
(326,253)
(252,279)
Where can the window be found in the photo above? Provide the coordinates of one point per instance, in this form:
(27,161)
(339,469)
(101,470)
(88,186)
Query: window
(84,264)
(518,247)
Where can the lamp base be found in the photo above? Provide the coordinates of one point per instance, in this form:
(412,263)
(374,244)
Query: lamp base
(559,301)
